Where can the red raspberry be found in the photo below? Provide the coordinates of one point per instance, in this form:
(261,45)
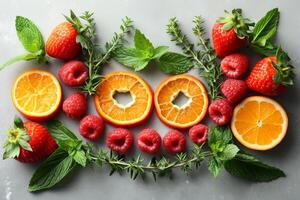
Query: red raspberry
(73,73)
(174,142)
(91,127)
(235,65)
(149,141)
(220,111)
(119,140)
(75,105)
(198,134)
(234,90)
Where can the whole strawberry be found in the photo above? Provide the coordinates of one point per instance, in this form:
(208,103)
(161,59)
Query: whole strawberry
(28,142)
(75,105)
(269,76)
(230,33)
(62,43)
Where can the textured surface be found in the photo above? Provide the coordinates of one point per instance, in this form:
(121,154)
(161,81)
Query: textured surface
(151,17)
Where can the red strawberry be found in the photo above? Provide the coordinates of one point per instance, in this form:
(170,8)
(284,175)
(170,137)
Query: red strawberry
(234,90)
(229,33)
(73,73)
(62,43)
(235,65)
(262,78)
(28,142)
(75,105)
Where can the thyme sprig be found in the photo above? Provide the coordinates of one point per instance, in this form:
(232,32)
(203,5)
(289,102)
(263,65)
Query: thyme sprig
(204,57)
(93,55)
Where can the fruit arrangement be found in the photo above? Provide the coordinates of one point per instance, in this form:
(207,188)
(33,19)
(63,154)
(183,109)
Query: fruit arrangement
(256,122)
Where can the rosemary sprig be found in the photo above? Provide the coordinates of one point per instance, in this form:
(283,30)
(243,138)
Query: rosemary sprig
(93,55)
(204,58)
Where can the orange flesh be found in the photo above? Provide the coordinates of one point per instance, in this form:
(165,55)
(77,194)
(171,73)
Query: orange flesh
(192,112)
(259,123)
(119,114)
(36,93)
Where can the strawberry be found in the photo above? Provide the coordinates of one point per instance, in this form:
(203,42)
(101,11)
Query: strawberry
(270,75)
(62,43)
(230,33)
(28,142)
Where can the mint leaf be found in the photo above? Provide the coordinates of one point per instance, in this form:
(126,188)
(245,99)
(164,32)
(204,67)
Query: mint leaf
(59,131)
(248,167)
(131,57)
(52,171)
(80,157)
(29,34)
(28,56)
(215,166)
(142,43)
(159,51)
(229,152)
(217,135)
(175,63)
(266,28)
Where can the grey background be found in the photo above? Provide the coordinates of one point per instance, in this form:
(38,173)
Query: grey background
(151,17)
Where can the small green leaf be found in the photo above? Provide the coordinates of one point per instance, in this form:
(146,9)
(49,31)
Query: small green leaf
(159,51)
(11,150)
(131,57)
(229,152)
(142,43)
(215,166)
(248,167)
(52,171)
(59,131)
(80,158)
(18,123)
(26,57)
(219,134)
(175,63)
(29,35)
(25,145)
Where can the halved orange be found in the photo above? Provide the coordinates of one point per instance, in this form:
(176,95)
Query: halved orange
(259,123)
(187,115)
(131,114)
(37,94)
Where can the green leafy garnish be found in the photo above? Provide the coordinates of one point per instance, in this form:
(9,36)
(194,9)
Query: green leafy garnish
(32,41)
(246,166)
(175,63)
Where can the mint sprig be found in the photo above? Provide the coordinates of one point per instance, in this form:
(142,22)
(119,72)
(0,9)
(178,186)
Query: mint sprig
(143,52)
(32,41)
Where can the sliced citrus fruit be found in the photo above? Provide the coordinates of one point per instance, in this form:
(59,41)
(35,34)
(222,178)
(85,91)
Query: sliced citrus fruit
(190,113)
(259,123)
(131,114)
(37,94)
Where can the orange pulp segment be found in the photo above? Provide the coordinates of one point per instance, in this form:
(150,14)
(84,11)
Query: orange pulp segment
(134,112)
(187,115)
(259,123)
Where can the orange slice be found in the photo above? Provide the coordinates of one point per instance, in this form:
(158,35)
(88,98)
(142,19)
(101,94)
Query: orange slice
(187,115)
(131,114)
(259,123)
(37,94)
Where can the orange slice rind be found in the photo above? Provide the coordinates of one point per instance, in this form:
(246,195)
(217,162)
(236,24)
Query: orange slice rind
(187,115)
(131,114)
(37,94)
(259,123)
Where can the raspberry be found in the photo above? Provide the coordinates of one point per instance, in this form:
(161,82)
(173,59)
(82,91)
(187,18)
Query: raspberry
(119,140)
(91,127)
(174,142)
(73,73)
(149,141)
(75,105)
(220,111)
(235,65)
(234,90)
(198,134)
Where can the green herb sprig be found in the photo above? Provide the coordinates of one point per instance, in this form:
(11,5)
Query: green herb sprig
(221,153)
(204,58)
(94,56)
